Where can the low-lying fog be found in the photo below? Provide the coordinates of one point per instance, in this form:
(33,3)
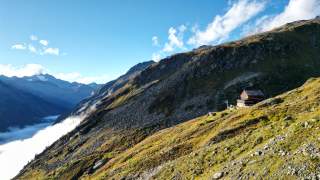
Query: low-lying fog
(26,132)
(19,146)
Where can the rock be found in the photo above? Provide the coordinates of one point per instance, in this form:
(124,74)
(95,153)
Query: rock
(288,118)
(313,120)
(218,175)
(258,153)
(197,172)
(271,102)
(259,140)
(252,162)
(215,152)
(282,153)
(99,164)
(212,113)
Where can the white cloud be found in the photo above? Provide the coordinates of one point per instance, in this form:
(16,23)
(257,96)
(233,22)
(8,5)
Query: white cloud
(175,42)
(155,41)
(16,154)
(39,49)
(19,46)
(44,42)
(194,28)
(26,70)
(156,57)
(32,48)
(11,158)
(221,26)
(33,38)
(98,79)
(64,54)
(51,51)
(15,133)
(216,31)
(175,39)
(182,28)
(78,77)
(36,69)
(68,76)
(295,10)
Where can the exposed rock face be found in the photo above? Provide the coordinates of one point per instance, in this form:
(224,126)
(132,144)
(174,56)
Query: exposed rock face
(179,88)
(217,175)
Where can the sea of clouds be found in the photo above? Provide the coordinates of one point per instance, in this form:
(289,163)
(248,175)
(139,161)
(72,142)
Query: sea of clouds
(14,155)
(15,133)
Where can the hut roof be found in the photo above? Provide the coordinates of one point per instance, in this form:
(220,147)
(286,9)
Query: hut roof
(253,92)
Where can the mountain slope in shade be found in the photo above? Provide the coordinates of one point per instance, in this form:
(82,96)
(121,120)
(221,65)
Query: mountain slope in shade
(174,90)
(19,108)
(43,95)
(57,91)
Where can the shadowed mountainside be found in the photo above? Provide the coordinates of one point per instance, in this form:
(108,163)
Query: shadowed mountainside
(19,108)
(26,100)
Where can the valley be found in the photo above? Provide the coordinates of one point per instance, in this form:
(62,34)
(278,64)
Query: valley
(26,132)
(25,101)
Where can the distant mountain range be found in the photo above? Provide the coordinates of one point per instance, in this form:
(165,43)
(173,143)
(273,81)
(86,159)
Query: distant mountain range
(24,101)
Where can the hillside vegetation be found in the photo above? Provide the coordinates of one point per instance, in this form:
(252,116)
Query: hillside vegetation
(122,138)
(277,138)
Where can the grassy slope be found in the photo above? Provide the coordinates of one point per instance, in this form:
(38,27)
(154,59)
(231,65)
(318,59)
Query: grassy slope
(227,142)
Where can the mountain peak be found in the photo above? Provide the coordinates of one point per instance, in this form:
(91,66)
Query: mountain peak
(140,66)
(39,77)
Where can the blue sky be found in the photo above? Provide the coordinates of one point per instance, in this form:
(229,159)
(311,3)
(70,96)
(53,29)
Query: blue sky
(99,40)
